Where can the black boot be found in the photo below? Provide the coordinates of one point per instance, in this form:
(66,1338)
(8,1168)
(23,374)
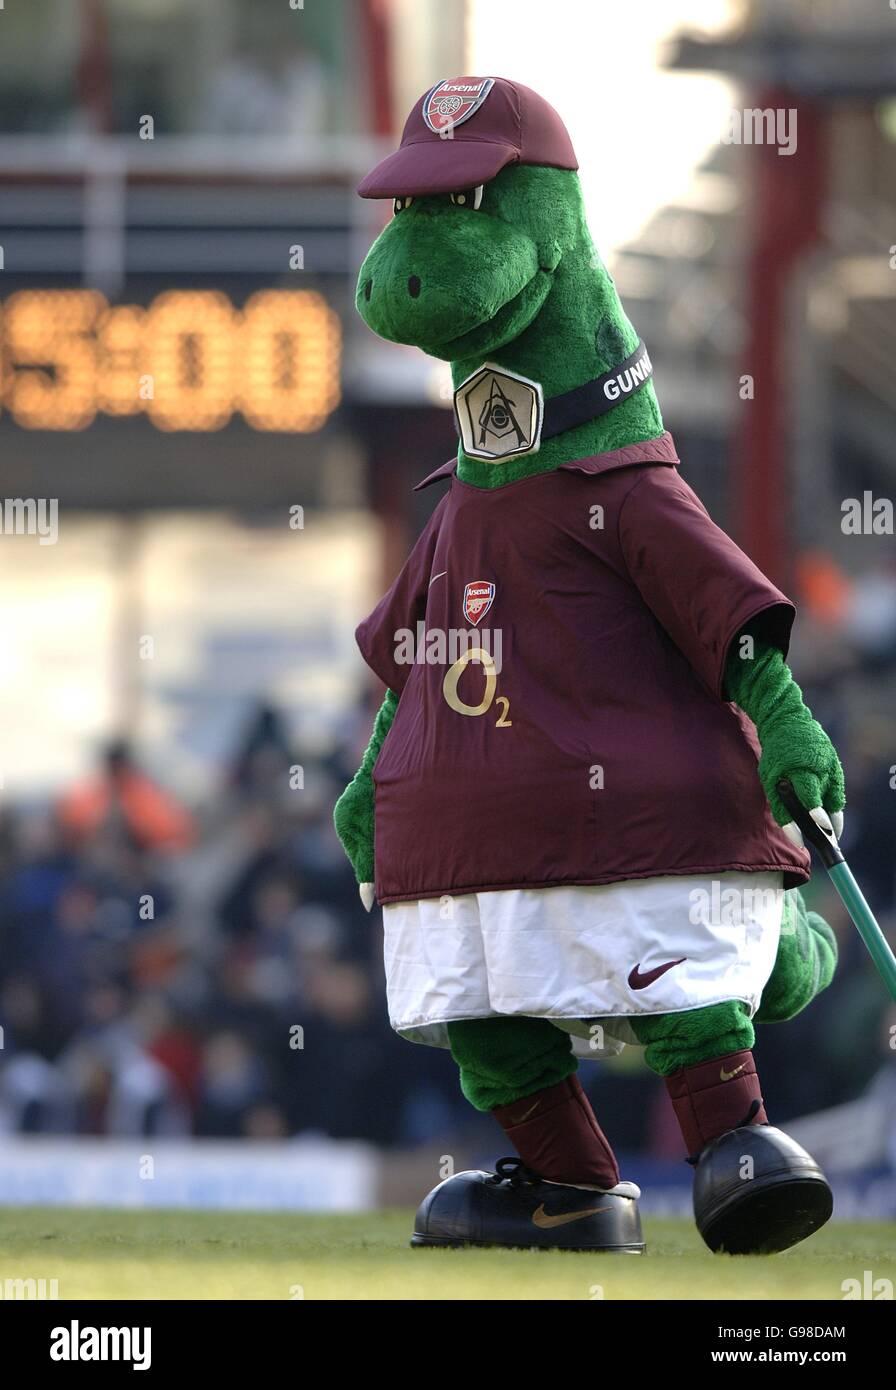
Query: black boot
(514,1207)
(756,1191)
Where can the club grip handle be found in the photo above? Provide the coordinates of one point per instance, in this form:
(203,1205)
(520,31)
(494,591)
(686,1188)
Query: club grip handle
(829,851)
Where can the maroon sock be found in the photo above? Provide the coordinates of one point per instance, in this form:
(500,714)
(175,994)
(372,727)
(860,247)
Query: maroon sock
(555,1133)
(716,1096)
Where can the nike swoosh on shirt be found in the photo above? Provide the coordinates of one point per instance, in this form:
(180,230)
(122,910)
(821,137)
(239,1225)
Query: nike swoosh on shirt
(546,1222)
(727,1075)
(637,980)
(437,576)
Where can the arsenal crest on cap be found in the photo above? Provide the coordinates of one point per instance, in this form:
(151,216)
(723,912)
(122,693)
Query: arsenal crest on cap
(498,413)
(453,101)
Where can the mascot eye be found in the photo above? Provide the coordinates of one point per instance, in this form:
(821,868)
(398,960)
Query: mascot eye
(468,197)
(400,204)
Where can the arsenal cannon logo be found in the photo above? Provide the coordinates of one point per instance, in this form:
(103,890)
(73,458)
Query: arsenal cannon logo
(498,413)
(478,599)
(453,101)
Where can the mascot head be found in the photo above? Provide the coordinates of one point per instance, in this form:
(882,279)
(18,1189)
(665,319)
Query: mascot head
(488,257)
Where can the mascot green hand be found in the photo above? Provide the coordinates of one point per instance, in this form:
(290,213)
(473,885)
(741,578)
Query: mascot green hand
(353,813)
(578,840)
(794,745)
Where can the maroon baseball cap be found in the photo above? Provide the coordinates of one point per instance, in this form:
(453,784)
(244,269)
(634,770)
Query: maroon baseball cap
(463,132)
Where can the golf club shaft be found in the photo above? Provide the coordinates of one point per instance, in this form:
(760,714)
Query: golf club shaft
(854,901)
(851,895)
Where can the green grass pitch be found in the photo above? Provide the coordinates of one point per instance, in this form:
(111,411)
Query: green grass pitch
(248,1255)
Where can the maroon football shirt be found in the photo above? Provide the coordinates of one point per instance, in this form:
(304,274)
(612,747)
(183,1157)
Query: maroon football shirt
(586,741)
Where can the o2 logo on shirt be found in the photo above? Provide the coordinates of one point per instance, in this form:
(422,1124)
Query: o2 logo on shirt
(478,599)
(479,595)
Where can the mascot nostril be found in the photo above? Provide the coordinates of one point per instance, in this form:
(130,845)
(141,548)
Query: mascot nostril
(543,780)
(368,288)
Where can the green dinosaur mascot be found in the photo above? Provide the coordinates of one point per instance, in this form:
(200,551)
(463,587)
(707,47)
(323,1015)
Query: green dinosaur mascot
(578,843)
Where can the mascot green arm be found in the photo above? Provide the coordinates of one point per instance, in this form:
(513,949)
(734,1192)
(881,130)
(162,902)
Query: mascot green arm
(794,745)
(353,813)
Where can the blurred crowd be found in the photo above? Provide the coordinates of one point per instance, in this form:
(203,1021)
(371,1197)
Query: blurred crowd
(207,971)
(210,971)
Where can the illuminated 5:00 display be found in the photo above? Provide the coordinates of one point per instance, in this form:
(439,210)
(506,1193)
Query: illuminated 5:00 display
(188,361)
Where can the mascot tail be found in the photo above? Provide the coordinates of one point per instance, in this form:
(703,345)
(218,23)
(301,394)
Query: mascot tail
(805,965)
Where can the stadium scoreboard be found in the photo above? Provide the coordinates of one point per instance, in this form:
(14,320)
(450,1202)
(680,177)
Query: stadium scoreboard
(189,360)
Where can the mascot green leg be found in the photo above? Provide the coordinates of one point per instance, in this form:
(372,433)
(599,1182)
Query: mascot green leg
(522,1070)
(674,1041)
(503,1060)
